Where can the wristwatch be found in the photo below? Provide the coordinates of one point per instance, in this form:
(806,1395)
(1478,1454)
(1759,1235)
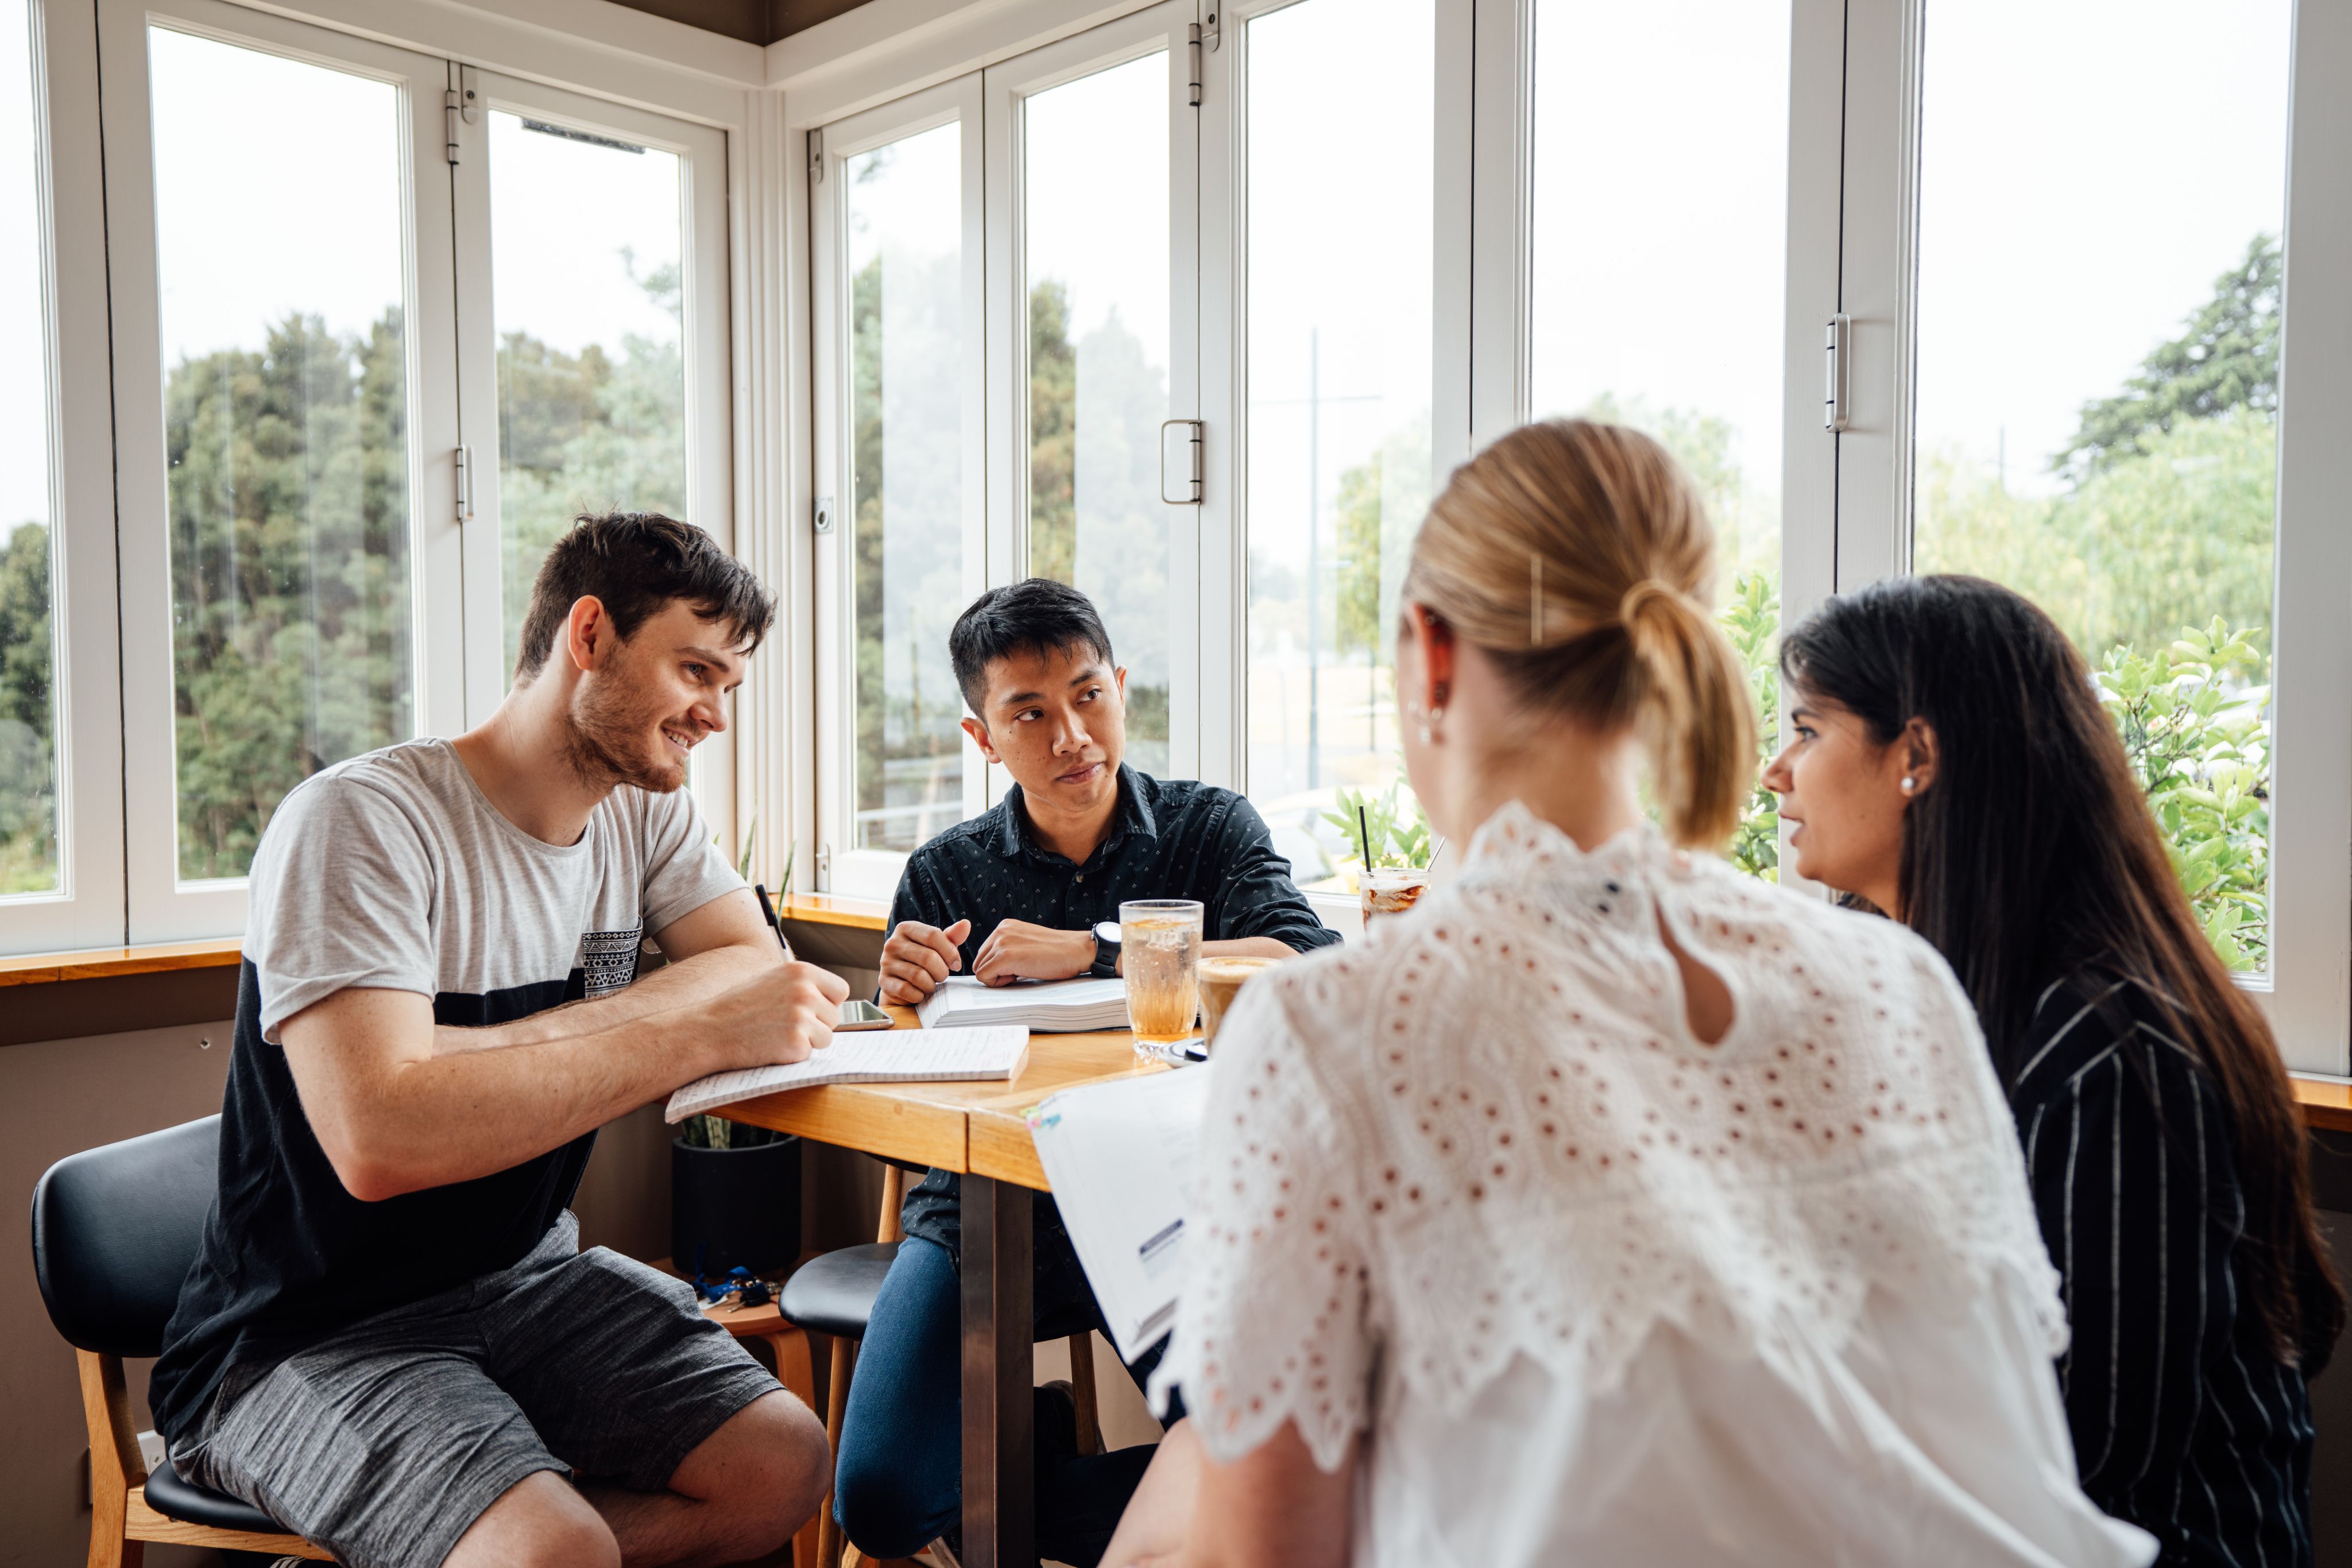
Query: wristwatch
(1106,963)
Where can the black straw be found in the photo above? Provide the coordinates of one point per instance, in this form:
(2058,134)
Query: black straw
(1365,824)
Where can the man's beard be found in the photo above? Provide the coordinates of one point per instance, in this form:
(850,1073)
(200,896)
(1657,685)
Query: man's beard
(606,744)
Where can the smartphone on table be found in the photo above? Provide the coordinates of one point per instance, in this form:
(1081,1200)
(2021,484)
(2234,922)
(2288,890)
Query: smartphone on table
(858,1013)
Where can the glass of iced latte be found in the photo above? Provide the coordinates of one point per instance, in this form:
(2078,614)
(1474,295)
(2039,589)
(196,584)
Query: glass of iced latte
(1392,888)
(1221,981)
(1160,953)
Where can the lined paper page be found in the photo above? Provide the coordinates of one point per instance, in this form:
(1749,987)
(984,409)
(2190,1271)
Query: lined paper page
(893,1056)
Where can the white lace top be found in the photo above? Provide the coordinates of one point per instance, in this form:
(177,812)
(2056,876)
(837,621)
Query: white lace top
(1596,1292)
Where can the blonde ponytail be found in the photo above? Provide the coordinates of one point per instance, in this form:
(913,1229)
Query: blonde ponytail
(1578,557)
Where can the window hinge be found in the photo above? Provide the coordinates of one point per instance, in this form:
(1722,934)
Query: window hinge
(825,868)
(817,157)
(1187,468)
(1209,31)
(464,483)
(825,513)
(1193,53)
(460,104)
(1835,398)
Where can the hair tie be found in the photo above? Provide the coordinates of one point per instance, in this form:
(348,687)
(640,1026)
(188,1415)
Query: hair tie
(1639,595)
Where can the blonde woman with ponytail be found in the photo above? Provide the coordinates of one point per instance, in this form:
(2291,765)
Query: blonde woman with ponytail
(1609,1208)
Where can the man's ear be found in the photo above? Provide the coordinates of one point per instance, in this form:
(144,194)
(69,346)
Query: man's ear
(1921,753)
(979,733)
(1118,679)
(588,636)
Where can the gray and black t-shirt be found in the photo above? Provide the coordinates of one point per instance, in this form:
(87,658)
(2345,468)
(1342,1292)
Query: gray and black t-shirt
(392,870)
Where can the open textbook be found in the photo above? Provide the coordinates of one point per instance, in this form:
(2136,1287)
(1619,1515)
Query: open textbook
(1063,1007)
(1121,1156)
(896,1056)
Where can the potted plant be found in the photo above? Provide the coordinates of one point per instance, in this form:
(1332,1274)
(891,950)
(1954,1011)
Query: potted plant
(734,1199)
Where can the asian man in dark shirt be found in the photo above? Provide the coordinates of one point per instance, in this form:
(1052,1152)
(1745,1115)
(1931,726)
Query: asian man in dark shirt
(1017,894)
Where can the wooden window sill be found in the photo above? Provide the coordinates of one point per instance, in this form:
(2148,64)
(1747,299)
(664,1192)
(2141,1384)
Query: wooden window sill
(105,963)
(834,909)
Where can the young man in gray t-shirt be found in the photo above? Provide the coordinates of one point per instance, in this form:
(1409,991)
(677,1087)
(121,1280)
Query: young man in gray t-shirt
(391,1340)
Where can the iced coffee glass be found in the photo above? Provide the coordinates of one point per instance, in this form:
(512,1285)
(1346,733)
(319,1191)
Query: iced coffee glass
(1392,890)
(1159,953)
(1221,981)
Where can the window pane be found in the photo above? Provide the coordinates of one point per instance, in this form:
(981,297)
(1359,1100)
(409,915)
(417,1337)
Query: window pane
(2098,375)
(1095,156)
(1340,128)
(586,288)
(906,262)
(286,406)
(28,772)
(1660,215)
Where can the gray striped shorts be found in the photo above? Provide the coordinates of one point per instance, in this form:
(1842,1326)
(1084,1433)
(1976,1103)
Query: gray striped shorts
(385,1441)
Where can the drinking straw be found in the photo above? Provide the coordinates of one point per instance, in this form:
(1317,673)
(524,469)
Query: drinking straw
(1365,824)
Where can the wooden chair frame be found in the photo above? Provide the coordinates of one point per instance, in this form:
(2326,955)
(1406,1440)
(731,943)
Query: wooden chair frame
(120,1522)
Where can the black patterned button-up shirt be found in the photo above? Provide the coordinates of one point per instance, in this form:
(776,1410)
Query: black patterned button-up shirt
(1169,840)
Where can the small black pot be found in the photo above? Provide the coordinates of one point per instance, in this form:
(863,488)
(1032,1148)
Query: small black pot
(734,1208)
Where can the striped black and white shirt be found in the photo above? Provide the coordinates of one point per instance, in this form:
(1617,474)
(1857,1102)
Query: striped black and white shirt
(2186,1423)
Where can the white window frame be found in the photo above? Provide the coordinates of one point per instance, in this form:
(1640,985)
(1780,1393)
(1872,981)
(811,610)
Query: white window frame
(873,873)
(1460,196)
(701,152)
(2307,993)
(163,908)
(1007,88)
(86,911)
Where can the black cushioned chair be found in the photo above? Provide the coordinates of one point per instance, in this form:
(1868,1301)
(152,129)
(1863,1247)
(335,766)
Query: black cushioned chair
(833,1294)
(114,1231)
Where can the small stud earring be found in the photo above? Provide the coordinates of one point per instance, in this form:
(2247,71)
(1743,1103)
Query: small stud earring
(1909,784)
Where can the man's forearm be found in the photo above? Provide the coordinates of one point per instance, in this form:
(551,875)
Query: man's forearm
(679,984)
(456,1119)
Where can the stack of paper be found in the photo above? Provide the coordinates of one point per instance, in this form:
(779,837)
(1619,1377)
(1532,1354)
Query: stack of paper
(899,1056)
(1062,1007)
(1121,1157)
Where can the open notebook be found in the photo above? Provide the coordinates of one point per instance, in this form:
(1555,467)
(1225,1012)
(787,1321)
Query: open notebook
(1063,1006)
(895,1056)
(1121,1156)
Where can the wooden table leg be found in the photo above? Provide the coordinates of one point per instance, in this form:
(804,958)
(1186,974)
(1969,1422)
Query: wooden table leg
(999,1460)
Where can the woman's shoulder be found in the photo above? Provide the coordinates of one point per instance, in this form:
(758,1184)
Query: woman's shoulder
(2089,1014)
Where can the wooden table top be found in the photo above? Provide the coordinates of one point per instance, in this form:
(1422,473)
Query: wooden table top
(979,1128)
(983,1128)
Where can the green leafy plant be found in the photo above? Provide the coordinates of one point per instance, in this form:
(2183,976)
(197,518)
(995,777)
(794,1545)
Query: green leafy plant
(1384,830)
(2196,725)
(1752,620)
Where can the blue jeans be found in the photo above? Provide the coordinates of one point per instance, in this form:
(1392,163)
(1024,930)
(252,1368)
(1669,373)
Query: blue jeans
(897,1484)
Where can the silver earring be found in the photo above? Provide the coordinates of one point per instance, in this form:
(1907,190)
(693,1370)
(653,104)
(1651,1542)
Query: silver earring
(1428,723)
(1909,784)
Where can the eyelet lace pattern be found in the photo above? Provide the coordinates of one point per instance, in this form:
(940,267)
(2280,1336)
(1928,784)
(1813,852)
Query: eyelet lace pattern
(1485,1129)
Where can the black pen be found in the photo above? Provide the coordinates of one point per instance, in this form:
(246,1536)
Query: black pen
(768,913)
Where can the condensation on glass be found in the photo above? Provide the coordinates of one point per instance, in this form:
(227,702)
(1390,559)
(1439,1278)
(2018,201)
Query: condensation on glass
(904,207)
(1340,128)
(1657,293)
(1095,193)
(30,850)
(286,404)
(2098,348)
(586,249)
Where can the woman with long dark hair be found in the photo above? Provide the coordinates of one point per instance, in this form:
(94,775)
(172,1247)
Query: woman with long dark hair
(1949,762)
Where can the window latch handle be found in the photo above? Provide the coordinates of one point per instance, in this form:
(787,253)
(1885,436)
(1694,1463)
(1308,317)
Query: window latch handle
(1180,465)
(1834,410)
